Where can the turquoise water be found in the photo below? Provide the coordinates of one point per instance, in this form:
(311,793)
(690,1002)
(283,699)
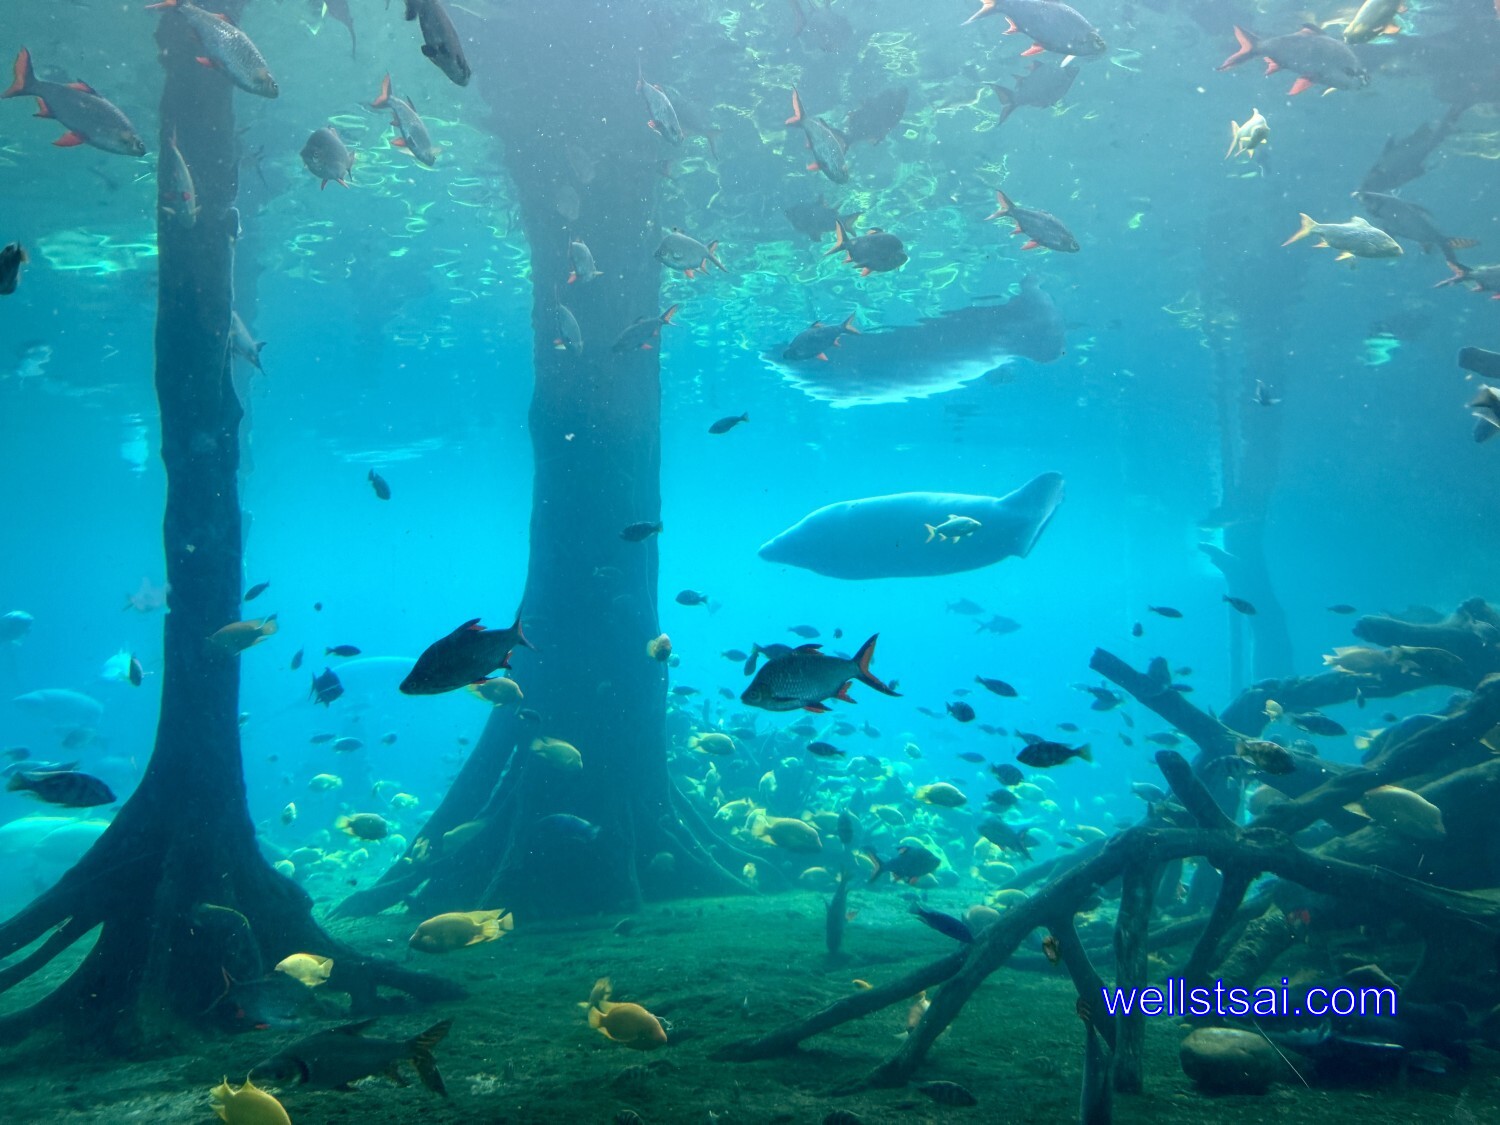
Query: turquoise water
(396,316)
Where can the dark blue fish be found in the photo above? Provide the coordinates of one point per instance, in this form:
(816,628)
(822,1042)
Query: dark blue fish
(326,687)
(945,924)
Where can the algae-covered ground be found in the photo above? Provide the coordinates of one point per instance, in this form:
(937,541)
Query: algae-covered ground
(715,970)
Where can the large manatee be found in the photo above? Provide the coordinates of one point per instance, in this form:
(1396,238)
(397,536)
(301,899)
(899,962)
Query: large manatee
(887,536)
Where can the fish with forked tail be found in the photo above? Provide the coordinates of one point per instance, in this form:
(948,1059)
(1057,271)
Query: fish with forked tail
(1041,228)
(806,676)
(335,1058)
(875,251)
(412,130)
(909,865)
(465,656)
(78,108)
(327,158)
(226,48)
(829,150)
(1354,239)
(1050,24)
(1042,87)
(663,121)
(643,334)
(1316,59)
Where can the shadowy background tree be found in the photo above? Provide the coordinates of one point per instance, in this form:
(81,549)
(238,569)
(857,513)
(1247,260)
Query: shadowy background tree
(590,603)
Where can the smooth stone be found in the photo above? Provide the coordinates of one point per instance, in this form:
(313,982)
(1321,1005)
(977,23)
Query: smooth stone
(1225,1060)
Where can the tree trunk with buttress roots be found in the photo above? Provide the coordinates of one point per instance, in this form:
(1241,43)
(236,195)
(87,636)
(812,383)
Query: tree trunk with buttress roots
(590,603)
(185,907)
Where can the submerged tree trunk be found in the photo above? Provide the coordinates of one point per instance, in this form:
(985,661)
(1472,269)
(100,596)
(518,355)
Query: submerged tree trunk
(1251,306)
(185,904)
(590,598)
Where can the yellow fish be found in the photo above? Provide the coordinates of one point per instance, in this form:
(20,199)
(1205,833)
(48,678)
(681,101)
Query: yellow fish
(325,781)
(447,932)
(249,1105)
(557,753)
(788,833)
(237,636)
(1374,19)
(365,826)
(630,1025)
(1245,139)
(308,968)
(918,1009)
(942,794)
(712,742)
(1402,811)
(497,692)
(460,835)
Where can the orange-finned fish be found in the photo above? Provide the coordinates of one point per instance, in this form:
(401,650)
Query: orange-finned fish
(827,147)
(875,251)
(177,197)
(414,137)
(226,48)
(806,676)
(78,108)
(326,157)
(663,120)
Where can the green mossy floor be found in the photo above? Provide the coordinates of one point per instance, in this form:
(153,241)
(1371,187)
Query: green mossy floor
(715,970)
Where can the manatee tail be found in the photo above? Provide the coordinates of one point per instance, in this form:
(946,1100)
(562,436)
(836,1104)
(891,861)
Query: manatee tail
(1033,505)
(862,659)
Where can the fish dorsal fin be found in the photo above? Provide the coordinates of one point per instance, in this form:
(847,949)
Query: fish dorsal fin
(470,626)
(358,1028)
(808,648)
(84,86)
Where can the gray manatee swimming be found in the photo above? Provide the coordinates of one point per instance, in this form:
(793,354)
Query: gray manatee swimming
(887,536)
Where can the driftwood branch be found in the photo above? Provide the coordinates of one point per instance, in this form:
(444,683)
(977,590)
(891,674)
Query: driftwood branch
(1225,912)
(1137,893)
(1423,752)
(1433,747)
(1086,978)
(788,1037)
(1428,907)
(1153,691)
